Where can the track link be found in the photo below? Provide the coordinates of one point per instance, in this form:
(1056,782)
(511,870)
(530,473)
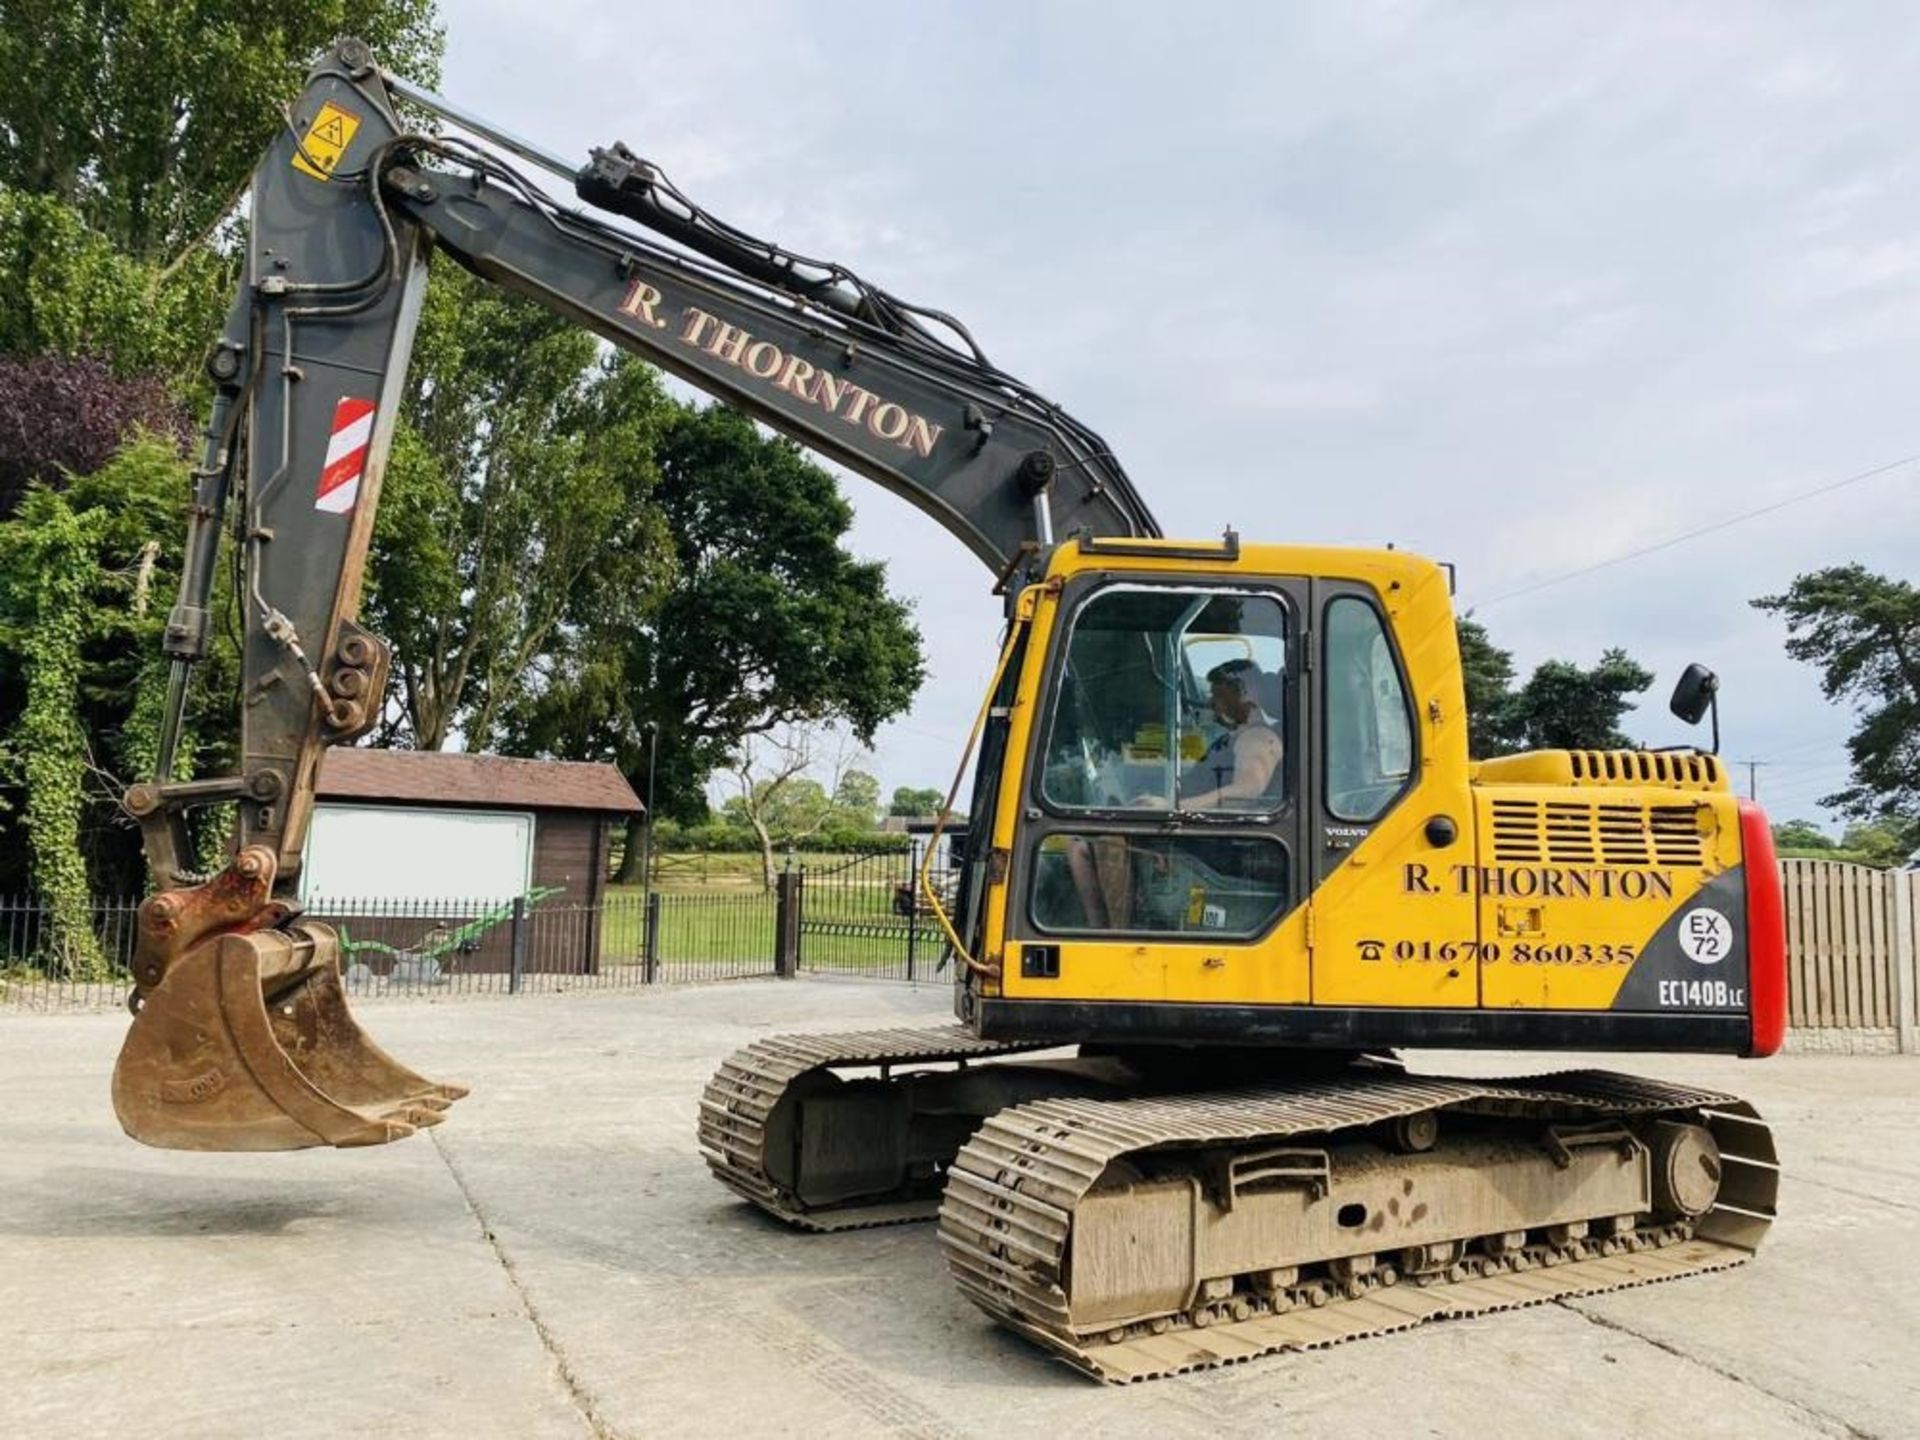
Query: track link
(744,1093)
(1007,1217)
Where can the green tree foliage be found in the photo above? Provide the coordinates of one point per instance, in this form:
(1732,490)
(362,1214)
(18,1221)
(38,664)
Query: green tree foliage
(791,807)
(1565,706)
(1863,632)
(145,118)
(518,501)
(69,290)
(47,565)
(1488,671)
(124,521)
(780,802)
(777,805)
(771,620)
(856,801)
(1879,843)
(1561,706)
(912,803)
(126,131)
(767,621)
(1801,835)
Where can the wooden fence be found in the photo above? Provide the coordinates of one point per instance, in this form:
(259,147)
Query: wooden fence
(1850,951)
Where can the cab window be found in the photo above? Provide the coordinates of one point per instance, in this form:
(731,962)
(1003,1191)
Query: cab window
(1369,741)
(1170,699)
(1146,884)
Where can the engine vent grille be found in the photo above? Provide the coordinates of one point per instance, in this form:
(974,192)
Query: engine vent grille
(1562,832)
(1645,767)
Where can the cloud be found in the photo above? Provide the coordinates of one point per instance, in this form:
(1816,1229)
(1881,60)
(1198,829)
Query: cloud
(1519,287)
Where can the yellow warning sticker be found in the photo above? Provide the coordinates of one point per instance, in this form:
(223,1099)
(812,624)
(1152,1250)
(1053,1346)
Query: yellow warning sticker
(326,141)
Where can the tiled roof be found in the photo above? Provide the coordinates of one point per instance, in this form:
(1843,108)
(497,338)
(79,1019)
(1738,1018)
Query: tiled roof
(435,777)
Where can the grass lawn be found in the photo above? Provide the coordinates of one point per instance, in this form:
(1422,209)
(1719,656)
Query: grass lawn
(701,872)
(727,926)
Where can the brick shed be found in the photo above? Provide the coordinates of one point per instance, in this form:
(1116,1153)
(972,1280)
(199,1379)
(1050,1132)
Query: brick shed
(403,841)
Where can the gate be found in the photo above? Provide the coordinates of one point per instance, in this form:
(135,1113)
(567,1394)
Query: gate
(867,915)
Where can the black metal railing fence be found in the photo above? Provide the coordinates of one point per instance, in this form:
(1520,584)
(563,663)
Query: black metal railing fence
(439,946)
(859,915)
(871,915)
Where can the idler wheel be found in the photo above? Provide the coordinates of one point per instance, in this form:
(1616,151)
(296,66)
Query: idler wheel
(1686,1170)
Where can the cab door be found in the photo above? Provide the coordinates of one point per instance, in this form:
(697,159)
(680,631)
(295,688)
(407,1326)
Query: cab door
(1392,917)
(1141,872)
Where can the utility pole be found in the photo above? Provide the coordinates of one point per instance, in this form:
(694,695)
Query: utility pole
(1753,777)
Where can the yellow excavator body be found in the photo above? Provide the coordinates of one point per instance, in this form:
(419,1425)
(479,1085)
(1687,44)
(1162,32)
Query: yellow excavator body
(1560,868)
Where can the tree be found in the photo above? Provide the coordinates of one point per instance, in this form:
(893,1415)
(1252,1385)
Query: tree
(1881,843)
(856,801)
(1488,672)
(1562,705)
(84,589)
(767,621)
(62,416)
(915,803)
(790,806)
(126,132)
(146,119)
(1801,835)
(518,500)
(1863,632)
(48,571)
(69,291)
(776,798)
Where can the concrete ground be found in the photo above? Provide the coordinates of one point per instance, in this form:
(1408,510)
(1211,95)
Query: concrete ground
(555,1261)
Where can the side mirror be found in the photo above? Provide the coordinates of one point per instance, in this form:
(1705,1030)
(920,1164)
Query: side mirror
(1698,694)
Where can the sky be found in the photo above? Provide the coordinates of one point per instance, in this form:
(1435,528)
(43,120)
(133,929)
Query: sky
(1520,287)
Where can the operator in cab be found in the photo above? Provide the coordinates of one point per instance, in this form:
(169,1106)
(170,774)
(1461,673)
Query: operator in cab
(1241,770)
(1242,767)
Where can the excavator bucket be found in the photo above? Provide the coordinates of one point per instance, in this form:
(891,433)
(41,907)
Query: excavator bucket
(245,1042)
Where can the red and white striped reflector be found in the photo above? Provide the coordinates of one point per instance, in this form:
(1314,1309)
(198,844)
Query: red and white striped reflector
(346,456)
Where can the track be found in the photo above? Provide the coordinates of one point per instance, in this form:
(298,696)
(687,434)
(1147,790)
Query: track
(1007,1219)
(738,1108)
(1013,1190)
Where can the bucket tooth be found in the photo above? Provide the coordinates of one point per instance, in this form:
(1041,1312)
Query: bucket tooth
(247,1044)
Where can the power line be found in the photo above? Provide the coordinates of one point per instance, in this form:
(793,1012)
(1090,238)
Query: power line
(1814,780)
(1804,747)
(1695,534)
(1804,791)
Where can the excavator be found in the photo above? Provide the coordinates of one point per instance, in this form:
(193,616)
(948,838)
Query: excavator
(1227,850)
